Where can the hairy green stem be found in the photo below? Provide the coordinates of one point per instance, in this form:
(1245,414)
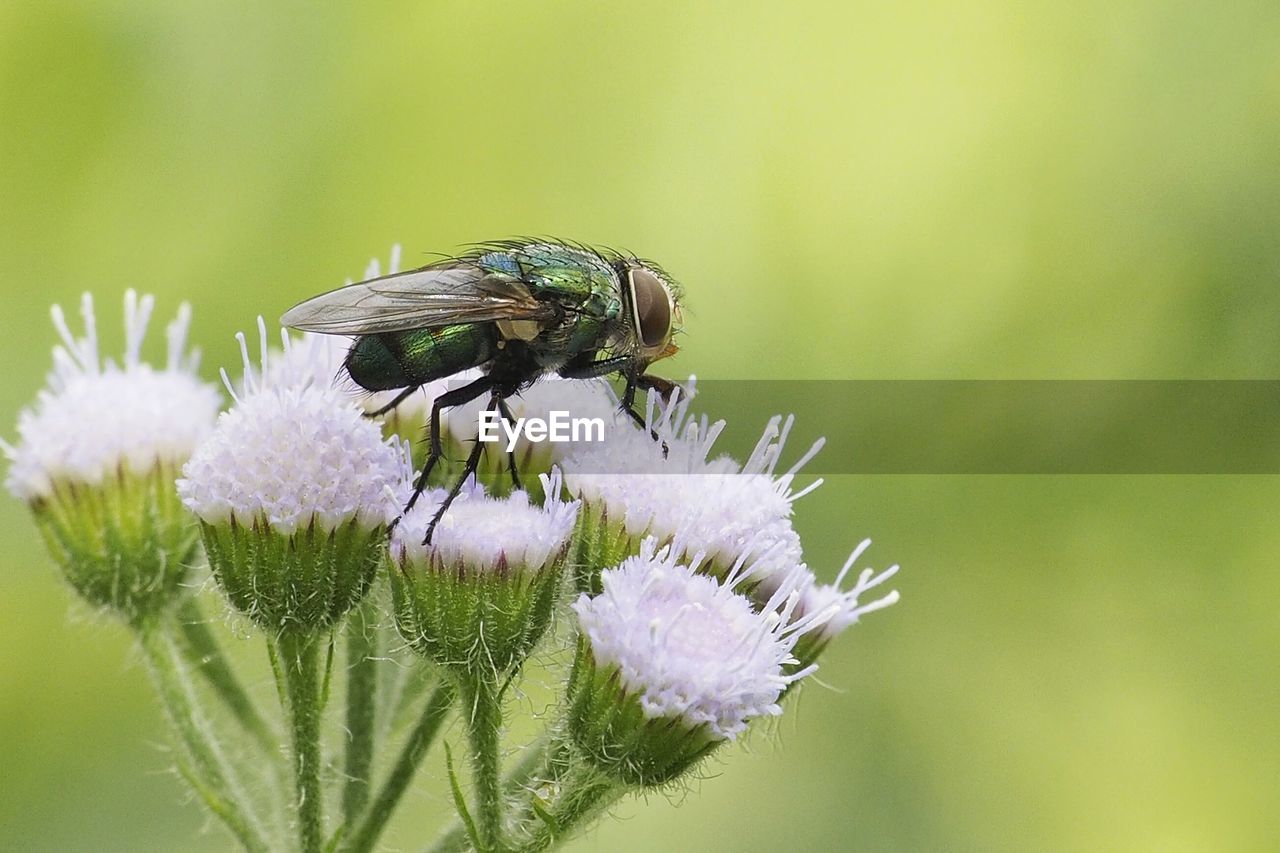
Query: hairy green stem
(366,834)
(534,758)
(201,648)
(482,709)
(206,767)
(362,708)
(299,661)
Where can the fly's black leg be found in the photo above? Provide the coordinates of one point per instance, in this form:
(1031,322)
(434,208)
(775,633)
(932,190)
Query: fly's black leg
(448,399)
(473,462)
(505,411)
(626,367)
(399,398)
(664,387)
(634,414)
(629,406)
(596,369)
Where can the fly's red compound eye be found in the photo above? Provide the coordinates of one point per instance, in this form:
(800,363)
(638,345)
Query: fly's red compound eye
(651,302)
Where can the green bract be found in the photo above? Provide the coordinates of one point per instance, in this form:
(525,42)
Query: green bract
(474,618)
(125,543)
(305,580)
(599,540)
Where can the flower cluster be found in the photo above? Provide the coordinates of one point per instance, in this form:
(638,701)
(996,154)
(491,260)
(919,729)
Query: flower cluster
(675,574)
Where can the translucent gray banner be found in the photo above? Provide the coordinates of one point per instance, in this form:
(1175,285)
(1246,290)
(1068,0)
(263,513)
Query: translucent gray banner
(976,426)
(1013,427)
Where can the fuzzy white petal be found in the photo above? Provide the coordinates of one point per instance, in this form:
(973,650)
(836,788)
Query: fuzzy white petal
(843,603)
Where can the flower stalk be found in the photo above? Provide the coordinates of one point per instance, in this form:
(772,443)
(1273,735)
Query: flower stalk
(298,653)
(362,707)
(584,792)
(527,776)
(482,708)
(365,834)
(207,767)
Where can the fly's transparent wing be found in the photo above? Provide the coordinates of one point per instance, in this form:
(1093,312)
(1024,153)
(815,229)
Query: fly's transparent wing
(418,299)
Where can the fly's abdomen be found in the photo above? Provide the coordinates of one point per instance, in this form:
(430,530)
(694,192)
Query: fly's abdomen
(402,359)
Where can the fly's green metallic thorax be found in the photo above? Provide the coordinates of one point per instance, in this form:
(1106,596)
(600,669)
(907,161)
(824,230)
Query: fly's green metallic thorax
(583,282)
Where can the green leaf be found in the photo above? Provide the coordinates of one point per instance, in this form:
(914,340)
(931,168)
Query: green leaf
(545,816)
(459,801)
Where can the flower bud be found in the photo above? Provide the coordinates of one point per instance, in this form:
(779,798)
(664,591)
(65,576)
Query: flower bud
(481,594)
(96,459)
(294,490)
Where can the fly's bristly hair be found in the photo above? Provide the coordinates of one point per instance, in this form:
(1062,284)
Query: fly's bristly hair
(523,243)
(607,254)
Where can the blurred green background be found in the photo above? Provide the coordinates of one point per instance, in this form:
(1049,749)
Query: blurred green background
(869,190)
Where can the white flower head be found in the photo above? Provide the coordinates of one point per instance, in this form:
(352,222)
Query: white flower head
(293,454)
(726,509)
(96,417)
(690,647)
(485,532)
